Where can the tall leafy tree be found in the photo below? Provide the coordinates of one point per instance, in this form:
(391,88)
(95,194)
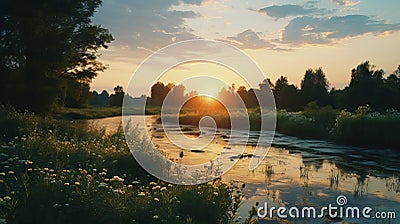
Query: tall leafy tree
(44,44)
(364,85)
(287,96)
(314,87)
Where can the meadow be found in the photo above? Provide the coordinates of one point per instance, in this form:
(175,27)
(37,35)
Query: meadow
(59,171)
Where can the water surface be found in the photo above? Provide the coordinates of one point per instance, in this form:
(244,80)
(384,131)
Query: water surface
(296,172)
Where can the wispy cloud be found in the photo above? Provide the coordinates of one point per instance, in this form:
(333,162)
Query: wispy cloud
(346,3)
(249,39)
(282,11)
(312,30)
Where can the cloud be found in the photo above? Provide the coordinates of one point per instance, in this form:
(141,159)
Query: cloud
(312,30)
(249,39)
(282,11)
(346,3)
(149,25)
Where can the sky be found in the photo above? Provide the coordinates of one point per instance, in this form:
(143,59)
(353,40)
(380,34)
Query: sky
(282,37)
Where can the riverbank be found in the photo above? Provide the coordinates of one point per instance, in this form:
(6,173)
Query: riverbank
(55,171)
(98,112)
(362,128)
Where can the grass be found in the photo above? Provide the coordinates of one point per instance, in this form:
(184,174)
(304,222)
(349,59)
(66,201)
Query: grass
(360,128)
(57,172)
(87,113)
(98,112)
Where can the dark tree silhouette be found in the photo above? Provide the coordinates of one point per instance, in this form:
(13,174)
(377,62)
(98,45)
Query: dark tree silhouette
(44,46)
(286,96)
(158,93)
(314,87)
(117,98)
(363,86)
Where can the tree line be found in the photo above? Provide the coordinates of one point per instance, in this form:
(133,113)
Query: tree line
(368,86)
(49,56)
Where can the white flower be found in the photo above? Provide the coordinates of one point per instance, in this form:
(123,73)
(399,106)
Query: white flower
(117,178)
(142,194)
(102,184)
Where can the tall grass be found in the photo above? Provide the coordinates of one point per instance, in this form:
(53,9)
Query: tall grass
(360,128)
(58,172)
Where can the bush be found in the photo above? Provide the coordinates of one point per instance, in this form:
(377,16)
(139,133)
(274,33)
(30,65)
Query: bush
(370,129)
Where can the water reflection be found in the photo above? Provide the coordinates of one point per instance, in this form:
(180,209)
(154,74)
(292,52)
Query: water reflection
(300,172)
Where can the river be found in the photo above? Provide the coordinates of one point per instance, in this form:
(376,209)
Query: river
(299,172)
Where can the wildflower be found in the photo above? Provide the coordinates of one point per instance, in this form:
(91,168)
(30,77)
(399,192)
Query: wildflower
(46,169)
(56,205)
(130,186)
(11,172)
(156,187)
(66,184)
(135,182)
(163,189)
(2,174)
(153,183)
(102,184)
(215,193)
(117,178)
(77,183)
(142,194)
(155,217)
(7,198)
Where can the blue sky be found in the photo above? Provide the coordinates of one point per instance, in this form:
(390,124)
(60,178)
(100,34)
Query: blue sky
(333,34)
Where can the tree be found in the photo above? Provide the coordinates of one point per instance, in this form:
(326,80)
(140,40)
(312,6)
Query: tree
(45,44)
(117,98)
(286,96)
(314,87)
(363,86)
(158,93)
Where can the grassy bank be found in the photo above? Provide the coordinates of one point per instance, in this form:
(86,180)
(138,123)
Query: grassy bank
(98,112)
(56,172)
(360,128)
